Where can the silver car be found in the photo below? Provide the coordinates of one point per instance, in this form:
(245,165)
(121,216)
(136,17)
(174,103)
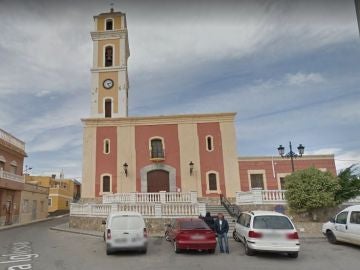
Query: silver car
(267,231)
(125,231)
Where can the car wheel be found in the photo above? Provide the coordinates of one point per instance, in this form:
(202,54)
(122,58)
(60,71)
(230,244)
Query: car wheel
(293,254)
(248,250)
(331,237)
(211,251)
(235,236)
(108,251)
(176,248)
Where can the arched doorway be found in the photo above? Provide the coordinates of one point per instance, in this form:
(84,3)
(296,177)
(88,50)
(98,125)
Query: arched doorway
(158,180)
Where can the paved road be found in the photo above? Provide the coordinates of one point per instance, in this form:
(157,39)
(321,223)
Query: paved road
(61,250)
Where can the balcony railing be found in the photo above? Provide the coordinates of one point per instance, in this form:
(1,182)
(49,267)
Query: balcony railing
(11,140)
(157,154)
(10,176)
(151,210)
(151,197)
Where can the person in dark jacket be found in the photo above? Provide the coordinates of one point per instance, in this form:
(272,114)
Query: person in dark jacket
(209,221)
(222,229)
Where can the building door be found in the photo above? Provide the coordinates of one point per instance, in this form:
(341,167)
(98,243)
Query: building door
(8,212)
(158,180)
(34,206)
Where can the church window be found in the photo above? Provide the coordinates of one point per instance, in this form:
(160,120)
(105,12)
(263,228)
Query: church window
(109,24)
(106,146)
(109,56)
(157,149)
(108,108)
(209,143)
(106,181)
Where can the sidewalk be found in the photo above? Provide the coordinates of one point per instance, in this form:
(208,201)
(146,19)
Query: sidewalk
(8,227)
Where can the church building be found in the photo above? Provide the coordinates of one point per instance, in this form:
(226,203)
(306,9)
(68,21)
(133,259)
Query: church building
(174,153)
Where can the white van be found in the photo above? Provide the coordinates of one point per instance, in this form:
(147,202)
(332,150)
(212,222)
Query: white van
(344,227)
(125,231)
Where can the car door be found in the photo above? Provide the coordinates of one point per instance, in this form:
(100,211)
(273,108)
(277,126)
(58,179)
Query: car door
(353,227)
(341,226)
(243,230)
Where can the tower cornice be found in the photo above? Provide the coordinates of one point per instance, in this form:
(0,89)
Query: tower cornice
(101,35)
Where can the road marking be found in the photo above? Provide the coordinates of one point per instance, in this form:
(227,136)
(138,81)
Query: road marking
(19,252)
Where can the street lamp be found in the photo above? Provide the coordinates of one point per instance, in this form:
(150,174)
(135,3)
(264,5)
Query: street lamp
(291,154)
(191,165)
(125,167)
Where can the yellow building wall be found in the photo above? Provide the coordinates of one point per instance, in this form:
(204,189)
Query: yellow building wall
(101,22)
(101,51)
(106,93)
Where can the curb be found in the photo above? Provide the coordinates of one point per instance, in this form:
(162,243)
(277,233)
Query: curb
(9,227)
(75,232)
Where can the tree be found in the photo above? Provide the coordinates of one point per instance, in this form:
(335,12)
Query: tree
(349,180)
(310,189)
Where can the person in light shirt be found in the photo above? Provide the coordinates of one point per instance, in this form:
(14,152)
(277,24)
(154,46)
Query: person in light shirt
(222,229)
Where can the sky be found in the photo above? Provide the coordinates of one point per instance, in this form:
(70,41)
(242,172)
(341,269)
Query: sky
(289,69)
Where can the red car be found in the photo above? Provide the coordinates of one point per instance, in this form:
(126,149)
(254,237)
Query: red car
(190,234)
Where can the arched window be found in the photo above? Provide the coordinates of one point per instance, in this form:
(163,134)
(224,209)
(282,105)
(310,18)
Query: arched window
(157,149)
(108,108)
(109,24)
(212,181)
(109,56)
(209,143)
(106,183)
(106,146)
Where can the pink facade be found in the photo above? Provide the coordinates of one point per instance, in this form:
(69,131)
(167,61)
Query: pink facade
(105,163)
(211,160)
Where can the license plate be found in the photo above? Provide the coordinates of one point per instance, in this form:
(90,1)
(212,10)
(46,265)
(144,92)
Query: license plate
(121,240)
(197,237)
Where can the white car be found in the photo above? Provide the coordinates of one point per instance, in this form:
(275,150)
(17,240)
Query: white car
(125,231)
(344,227)
(267,231)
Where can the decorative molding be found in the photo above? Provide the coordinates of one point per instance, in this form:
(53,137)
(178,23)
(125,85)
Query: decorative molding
(114,34)
(153,120)
(269,158)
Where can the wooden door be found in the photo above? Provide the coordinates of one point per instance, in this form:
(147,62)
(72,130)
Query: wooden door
(158,180)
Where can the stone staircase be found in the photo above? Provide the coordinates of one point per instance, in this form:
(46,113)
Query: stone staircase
(215,209)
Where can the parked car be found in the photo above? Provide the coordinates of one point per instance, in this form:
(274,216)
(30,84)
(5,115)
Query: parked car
(267,231)
(344,227)
(125,231)
(190,234)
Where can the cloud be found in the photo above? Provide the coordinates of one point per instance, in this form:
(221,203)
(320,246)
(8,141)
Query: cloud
(301,78)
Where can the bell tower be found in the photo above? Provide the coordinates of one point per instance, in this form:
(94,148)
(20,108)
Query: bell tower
(109,74)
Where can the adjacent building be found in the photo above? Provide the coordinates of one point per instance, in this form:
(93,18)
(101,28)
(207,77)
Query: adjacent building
(62,192)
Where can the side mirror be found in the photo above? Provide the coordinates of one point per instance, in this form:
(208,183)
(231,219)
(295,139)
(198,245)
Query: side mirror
(103,222)
(332,220)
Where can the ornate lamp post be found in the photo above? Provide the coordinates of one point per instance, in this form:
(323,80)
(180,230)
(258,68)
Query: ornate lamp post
(291,154)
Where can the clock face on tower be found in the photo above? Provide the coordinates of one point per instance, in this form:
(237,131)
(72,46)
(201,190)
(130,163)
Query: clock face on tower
(108,83)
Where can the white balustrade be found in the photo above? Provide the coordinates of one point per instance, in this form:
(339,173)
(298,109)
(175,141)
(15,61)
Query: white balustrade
(151,197)
(10,176)
(150,210)
(259,196)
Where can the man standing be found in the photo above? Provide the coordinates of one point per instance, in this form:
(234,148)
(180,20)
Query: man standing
(222,228)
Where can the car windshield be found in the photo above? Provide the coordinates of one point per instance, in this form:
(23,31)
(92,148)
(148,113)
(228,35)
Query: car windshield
(193,224)
(272,222)
(127,223)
